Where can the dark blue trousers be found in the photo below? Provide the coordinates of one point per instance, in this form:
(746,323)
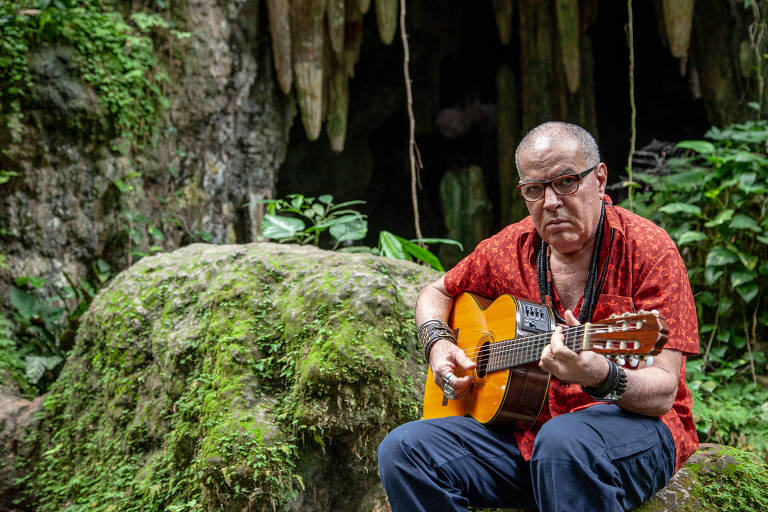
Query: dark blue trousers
(602,458)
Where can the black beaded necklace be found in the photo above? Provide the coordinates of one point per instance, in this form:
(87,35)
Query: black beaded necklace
(592,287)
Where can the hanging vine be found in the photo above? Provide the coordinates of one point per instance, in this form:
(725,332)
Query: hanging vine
(633,115)
(412,149)
(757,32)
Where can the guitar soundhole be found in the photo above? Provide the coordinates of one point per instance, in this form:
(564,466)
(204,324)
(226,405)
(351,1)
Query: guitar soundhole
(482,360)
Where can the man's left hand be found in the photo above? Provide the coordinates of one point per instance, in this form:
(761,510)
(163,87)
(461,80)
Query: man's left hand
(586,368)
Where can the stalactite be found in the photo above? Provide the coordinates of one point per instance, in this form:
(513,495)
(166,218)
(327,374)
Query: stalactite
(280,28)
(336,15)
(508,135)
(307,42)
(363,5)
(538,66)
(678,15)
(386,17)
(338,102)
(354,36)
(502,9)
(569,34)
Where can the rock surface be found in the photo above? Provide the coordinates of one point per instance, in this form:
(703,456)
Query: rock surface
(250,377)
(219,148)
(17,418)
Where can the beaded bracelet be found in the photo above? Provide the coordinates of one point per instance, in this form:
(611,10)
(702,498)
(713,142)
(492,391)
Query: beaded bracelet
(432,331)
(612,388)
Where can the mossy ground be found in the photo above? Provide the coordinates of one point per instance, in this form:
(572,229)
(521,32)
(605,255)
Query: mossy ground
(232,378)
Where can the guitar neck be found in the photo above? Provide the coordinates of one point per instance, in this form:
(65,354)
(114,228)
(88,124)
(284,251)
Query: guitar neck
(527,349)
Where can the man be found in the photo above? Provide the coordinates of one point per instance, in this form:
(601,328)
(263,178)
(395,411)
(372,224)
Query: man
(608,437)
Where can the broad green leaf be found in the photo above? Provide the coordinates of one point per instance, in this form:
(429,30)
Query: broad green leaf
(691,236)
(279,227)
(204,235)
(720,256)
(391,247)
(336,207)
(424,255)
(33,281)
(696,176)
(722,308)
(748,292)
(123,186)
(712,274)
(6,175)
(763,271)
(763,239)
(447,241)
(741,221)
(101,266)
(36,366)
(723,216)
(747,179)
(353,229)
(318,208)
(748,260)
(24,303)
(706,298)
(155,233)
(741,277)
(297,200)
(675,208)
(339,220)
(700,146)
(325,198)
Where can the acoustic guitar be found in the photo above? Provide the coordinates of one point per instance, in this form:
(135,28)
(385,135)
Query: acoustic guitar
(505,338)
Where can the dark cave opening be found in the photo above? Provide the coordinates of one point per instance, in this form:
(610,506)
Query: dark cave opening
(454,61)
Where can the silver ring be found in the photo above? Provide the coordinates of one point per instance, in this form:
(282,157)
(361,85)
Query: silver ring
(448,378)
(449,395)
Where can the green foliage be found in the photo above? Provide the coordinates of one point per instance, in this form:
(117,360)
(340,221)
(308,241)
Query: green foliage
(303,220)
(397,247)
(308,218)
(11,358)
(45,327)
(714,204)
(115,58)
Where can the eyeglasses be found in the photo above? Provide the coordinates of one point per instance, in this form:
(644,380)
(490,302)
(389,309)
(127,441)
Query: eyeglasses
(562,185)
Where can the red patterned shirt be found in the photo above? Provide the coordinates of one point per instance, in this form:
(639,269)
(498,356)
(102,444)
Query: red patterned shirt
(645,272)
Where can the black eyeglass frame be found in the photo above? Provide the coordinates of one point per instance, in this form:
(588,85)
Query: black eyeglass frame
(579,175)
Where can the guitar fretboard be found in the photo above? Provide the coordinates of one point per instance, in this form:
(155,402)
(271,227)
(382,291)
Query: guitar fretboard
(527,349)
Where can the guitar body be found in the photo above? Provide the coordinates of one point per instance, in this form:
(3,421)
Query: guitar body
(511,397)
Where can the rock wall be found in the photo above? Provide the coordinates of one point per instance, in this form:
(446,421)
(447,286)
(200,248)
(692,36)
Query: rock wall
(248,377)
(219,147)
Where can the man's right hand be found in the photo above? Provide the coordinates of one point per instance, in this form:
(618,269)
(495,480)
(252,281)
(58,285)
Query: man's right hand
(446,358)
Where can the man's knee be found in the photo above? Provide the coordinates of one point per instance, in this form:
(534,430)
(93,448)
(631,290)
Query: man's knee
(397,445)
(565,437)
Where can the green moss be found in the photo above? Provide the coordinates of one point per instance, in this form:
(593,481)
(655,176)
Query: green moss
(219,384)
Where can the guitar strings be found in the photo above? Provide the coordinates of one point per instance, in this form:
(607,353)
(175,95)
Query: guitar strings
(530,346)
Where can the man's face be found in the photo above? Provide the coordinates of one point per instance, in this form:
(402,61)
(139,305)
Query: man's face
(567,223)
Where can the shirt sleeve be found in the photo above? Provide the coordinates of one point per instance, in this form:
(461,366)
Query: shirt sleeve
(472,274)
(665,287)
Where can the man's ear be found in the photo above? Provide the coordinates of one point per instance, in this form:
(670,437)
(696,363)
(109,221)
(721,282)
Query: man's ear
(601,173)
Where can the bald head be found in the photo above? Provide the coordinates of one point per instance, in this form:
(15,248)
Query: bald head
(555,132)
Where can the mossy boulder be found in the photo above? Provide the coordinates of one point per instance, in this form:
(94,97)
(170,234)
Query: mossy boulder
(249,377)
(717,478)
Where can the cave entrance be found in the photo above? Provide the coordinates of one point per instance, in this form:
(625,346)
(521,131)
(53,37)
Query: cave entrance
(455,57)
